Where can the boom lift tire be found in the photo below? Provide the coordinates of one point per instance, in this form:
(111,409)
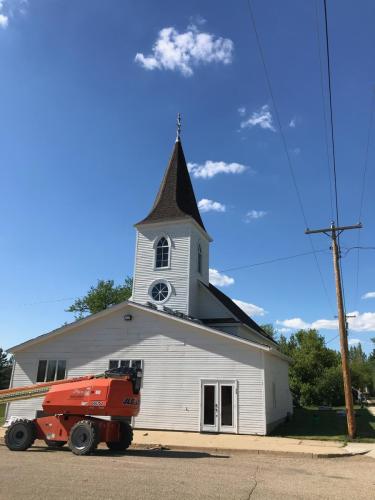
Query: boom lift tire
(20,435)
(126,438)
(84,437)
(54,444)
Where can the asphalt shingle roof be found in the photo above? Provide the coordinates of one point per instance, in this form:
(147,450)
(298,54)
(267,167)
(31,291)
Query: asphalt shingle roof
(237,311)
(176,198)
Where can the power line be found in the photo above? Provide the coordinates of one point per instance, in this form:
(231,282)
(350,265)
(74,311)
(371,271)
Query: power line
(291,171)
(331,113)
(363,190)
(334,338)
(347,250)
(48,301)
(323,106)
(278,259)
(333,145)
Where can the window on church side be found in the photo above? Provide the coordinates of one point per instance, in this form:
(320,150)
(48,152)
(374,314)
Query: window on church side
(162,253)
(50,370)
(199,259)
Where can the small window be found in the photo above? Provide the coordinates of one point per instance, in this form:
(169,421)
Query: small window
(199,259)
(162,253)
(128,363)
(50,370)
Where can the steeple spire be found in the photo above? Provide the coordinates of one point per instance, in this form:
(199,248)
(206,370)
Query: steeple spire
(176,198)
(178,136)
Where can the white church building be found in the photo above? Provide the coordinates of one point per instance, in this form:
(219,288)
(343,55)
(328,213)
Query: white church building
(208,367)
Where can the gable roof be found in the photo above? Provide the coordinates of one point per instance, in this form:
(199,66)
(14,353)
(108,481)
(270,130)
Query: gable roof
(237,312)
(176,198)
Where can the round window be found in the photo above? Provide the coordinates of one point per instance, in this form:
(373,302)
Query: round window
(160,292)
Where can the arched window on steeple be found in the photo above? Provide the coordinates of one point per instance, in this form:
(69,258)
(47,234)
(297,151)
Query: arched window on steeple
(162,253)
(199,259)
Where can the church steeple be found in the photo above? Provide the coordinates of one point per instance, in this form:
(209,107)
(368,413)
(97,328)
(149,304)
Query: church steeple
(175,199)
(172,249)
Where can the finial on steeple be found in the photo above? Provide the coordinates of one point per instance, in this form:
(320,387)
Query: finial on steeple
(178,136)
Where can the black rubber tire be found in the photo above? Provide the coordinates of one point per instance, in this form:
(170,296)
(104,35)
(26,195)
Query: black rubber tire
(126,438)
(20,435)
(55,444)
(83,437)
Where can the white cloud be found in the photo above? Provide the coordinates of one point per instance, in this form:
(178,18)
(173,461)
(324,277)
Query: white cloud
(362,322)
(294,323)
(368,295)
(205,205)
(354,341)
(10,8)
(284,330)
(262,118)
(211,168)
(194,20)
(241,111)
(250,309)
(219,279)
(176,51)
(292,123)
(3,21)
(255,214)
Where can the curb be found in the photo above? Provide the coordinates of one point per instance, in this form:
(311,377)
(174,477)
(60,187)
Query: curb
(280,453)
(157,447)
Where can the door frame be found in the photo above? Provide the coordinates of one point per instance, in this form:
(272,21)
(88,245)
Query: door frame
(217,427)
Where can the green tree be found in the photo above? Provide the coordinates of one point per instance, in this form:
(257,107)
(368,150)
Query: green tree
(6,365)
(101,296)
(371,356)
(314,367)
(361,368)
(356,354)
(269,329)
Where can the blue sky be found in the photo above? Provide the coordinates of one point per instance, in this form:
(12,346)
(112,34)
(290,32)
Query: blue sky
(87,127)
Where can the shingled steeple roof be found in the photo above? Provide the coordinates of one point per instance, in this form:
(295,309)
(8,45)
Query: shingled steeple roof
(175,199)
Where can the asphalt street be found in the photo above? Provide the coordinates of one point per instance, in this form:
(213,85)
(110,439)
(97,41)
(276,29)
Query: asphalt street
(41,473)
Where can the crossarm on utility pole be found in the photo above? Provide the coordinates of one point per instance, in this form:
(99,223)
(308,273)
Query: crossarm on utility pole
(333,233)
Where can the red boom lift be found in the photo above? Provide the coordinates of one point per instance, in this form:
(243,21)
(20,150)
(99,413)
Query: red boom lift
(73,405)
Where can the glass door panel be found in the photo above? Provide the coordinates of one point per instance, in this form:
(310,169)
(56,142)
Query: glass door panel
(209,405)
(209,408)
(226,410)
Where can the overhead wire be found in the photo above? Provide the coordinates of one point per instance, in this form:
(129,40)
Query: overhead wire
(331,113)
(363,188)
(271,261)
(287,153)
(324,112)
(333,147)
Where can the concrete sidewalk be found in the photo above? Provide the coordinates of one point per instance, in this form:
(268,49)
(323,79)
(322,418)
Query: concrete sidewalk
(253,444)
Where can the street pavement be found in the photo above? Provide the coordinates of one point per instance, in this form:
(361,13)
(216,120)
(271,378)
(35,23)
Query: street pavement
(180,474)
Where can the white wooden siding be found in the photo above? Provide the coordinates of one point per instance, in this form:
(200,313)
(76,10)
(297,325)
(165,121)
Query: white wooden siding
(276,372)
(194,276)
(210,306)
(178,272)
(176,357)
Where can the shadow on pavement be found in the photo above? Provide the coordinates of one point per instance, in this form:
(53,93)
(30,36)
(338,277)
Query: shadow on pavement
(101,452)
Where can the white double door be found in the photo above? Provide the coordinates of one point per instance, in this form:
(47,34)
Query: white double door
(219,406)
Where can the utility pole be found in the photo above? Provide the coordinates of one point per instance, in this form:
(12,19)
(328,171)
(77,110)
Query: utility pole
(334,232)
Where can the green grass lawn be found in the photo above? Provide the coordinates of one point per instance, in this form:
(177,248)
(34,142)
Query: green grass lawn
(310,423)
(2,411)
